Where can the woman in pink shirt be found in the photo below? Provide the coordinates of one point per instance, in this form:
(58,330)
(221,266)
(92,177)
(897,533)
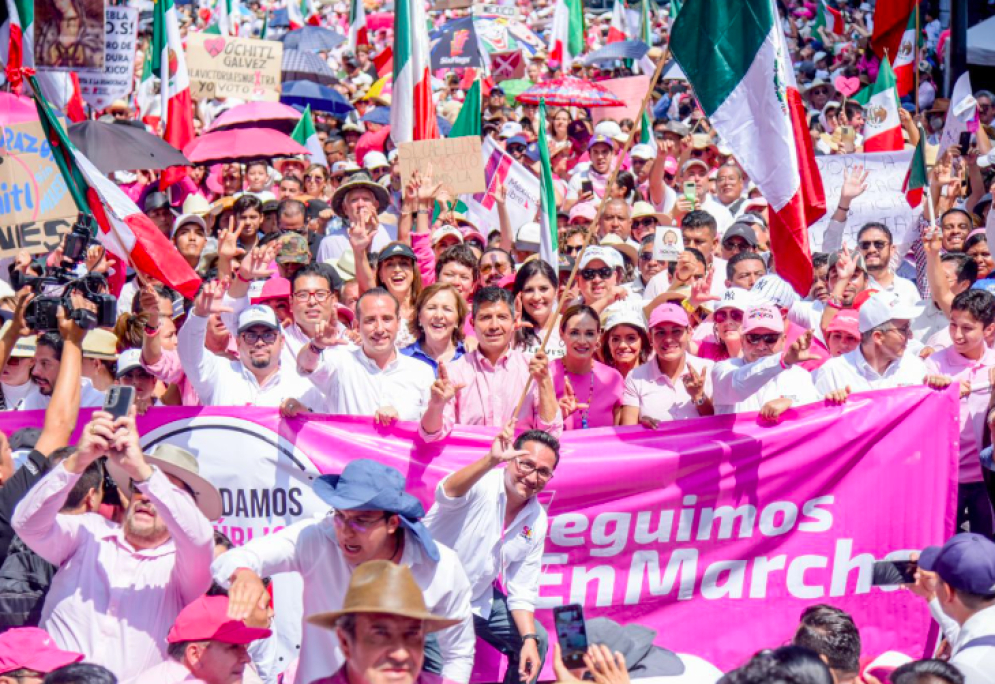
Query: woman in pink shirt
(589,392)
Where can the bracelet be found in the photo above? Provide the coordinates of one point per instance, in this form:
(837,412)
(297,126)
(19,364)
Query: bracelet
(534,637)
(154,469)
(843,208)
(315,348)
(238,274)
(783,364)
(834,302)
(151,332)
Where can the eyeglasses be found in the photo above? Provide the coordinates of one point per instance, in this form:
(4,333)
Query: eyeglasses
(572,249)
(646,256)
(269,337)
(515,149)
(659,135)
(359,524)
(315,178)
(770,339)
(904,331)
(319,295)
(500,268)
(876,244)
(529,467)
(738,245)
(723,316)
(605,272)
(640,222)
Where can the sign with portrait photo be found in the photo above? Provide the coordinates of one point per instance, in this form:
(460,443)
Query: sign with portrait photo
(69,35)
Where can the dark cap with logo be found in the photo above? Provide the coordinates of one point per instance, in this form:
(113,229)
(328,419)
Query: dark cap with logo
(966,562)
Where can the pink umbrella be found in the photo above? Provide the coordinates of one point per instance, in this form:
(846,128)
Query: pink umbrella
(570,92)
(15,110)
(379,20)
(258,114)
(241,144)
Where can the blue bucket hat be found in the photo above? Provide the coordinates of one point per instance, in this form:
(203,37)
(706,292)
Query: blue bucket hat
(372,486)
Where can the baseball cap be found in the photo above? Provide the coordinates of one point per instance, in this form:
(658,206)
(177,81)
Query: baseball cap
(517,140)
(606,254)
(845,321)
(128,360)
(189,218)
(509,129)
(742,230)
(31,648)
(527,238)
(882,307)
(257,314)
(623,313)
(156,200)
(966,562)
(582,210)
(986,284)
(762,317)
(206,619)
(611,129)
(444,231)
(643,151)
(293,249)
(669,312)
(273,288)
(565,263)
(693,162)
(316,206)
(600,139)
(775,289)
(374,160)
(857,256)
(396,249)
(736,298)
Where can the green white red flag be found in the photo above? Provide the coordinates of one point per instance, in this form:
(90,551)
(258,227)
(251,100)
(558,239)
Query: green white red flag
(906,59)
(882,125)
(567,40)
(169,62)
(412,113)
(829,18)
(305,134)
(357,24)
(548,229)
(916,178)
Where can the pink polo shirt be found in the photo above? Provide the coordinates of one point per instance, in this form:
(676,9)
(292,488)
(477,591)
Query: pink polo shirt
(601,389)
(973,408)
(657,397)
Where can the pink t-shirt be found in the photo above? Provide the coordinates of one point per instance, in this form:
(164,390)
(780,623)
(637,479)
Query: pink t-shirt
(601,388)
(973,408)
(648,389)
(712,350)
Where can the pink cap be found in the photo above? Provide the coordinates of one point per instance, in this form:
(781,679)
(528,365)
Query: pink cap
(584,210)
(30,648)
(846,321)
(669,312)
(762,317)
(670,165)
(274,288)
(206,619)
(345,314)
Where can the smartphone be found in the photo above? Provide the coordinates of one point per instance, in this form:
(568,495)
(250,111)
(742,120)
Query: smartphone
(571,633)
(586,187)
(889,573)
(119,400)
(690,191)
(964,143)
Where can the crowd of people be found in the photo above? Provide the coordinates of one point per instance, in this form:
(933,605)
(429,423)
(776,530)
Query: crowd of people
(332,287)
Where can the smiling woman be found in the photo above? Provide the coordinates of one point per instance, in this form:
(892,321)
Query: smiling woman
(589,392)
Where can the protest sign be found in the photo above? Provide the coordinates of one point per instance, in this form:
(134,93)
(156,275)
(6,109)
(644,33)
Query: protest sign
(631,90)
(668,243)
(35,205)
(455,162)
(507,65)
(100,88)
(456,46)
(491,10)
(883,201)
(69,34)
(224,66)
(521,185)
(717,521)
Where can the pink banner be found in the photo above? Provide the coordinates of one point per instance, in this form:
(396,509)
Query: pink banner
(715,532)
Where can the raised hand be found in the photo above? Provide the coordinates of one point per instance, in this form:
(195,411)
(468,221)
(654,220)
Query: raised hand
(800,350)
(846,265)
(256,264)
(568,402)
(701,290)
(539,367)
(360,236)
(326,334)
(21,301)
(502,449)
(854,184)
(443,389)
(208,300)
(247,592)
(605,666)
(228,241)
(694,382)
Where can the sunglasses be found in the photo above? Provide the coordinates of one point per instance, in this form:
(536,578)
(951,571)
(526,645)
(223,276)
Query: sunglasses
(646,256)
(640,222)
(876,244)
(740,245)
(515,149)
(572,249)
(605,272)
(316,177)
(770,339)
(723,316)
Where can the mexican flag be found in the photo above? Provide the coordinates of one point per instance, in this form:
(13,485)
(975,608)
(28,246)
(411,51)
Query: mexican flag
(618,30)
(567,41)
(548,238)
(226,12)
(916,178)
(890,19)
(748,92)
(169,62)
(296,13)
(829,18)
(17,34)
(882,127)
(146,101)
(124,230)
(905,60)
(468,120)
(357,24)
(305,134)
(412,116)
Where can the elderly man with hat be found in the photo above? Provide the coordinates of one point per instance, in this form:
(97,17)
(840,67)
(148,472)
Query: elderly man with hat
(359,202)
(958,581)
(373,519)
(382,628)
(205,645)
(118,587)
(28,654)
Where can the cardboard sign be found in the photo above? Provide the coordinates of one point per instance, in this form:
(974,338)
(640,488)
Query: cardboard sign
(883,201)
(631,90)
(69,45)
(455,163)
(223,66)
(33,194)
(100,88)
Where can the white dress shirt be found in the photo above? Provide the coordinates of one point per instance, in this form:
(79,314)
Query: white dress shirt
(34,400)
(723,218)
(808,315)
(738,386)
(15,394)
(978,662)
(354,385)
(336,243)
(311,549)
(473,525)
(852,370)
(225,382)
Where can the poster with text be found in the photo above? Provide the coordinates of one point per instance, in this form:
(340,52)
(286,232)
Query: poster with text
(100,88)
(224,66)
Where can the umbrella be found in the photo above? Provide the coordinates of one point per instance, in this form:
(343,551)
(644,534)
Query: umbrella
(241,144)
(381,115)
(256,115)
(279,18)
(312,38)
(514,87)
(307,66)
(321,98)
(15,110)
(625,49)
(500,34)
(672,72)
(121,147)
(570,92)
(379,20)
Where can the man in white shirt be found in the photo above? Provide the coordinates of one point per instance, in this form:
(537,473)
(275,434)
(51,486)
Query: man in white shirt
(882,360)
(493,520)
(847,277)
(958,580)
(590,184)
(372,379)
(359,201)
(256,378)
(48,355)
(696,171)
(373,518)
(764,379)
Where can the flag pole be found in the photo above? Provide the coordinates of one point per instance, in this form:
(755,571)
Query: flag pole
(593,227)
(915,60)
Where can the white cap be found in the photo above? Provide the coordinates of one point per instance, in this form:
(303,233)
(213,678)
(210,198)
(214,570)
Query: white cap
(819,55)
(612,130)
(775,289)
(736,298)
(374,160)
(445,231)
(189,218)
(882,307)
(510,129)
(643,151)
(623,313)
(527,238)
(127,360)
(392,155)
(257,314)
(345,167)
(610,256)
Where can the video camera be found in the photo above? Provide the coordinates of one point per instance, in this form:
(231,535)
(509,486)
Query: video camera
(54,288)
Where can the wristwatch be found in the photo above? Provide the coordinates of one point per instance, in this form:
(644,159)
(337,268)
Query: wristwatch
(700,401)
(534,637)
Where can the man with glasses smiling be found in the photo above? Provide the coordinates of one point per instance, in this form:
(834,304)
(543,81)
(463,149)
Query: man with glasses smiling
(492,518)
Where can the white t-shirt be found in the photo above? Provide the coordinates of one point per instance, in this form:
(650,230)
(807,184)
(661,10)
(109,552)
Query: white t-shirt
(852,370)
(14,394)
(738,386)
(89,397)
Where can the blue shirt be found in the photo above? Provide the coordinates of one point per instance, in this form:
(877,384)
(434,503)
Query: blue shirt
(416,352)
